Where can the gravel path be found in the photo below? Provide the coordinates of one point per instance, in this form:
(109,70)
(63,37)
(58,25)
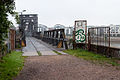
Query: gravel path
(64,67)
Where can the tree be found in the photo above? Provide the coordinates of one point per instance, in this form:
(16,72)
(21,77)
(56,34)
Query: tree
(6,8)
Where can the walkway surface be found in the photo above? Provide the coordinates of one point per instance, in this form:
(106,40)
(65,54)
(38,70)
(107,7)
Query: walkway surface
(33,46)
(65,67)
(29,50)
(54,48)
(60,67)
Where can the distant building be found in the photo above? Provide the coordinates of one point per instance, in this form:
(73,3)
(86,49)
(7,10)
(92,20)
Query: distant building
(59,26)
(50,28)
(42,28)
(115,30)
(68,30)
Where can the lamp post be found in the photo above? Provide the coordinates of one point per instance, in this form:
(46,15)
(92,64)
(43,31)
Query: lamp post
(22,31)
(22,12)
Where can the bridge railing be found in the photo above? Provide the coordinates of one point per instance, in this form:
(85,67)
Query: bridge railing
(55,37)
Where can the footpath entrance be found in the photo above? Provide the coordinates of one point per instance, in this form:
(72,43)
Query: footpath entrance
(34,46)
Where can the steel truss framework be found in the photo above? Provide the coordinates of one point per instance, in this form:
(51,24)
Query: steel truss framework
(28,25)
(56,38)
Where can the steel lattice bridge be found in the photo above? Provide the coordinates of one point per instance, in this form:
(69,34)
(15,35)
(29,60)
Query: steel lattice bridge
(56,37)
(28,25)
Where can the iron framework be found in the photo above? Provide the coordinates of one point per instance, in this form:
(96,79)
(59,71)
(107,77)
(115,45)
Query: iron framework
(56,38)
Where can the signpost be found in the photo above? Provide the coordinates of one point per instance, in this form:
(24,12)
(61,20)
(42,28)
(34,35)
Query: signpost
(80,32)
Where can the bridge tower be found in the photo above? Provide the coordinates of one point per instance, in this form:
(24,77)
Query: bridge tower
(29,24)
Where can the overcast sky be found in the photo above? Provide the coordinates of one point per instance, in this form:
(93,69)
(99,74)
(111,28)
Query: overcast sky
(51,12)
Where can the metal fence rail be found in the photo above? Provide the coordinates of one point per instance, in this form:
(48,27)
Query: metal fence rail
(99,36)
(99,41)
(56,38)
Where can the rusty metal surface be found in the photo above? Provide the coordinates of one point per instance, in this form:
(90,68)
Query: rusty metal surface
(12,38)
(82,25)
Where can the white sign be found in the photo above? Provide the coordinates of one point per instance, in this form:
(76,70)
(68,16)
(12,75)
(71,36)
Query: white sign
(80,28)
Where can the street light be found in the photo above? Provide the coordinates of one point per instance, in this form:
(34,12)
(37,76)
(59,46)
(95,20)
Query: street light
(21,15)
(22,11)
(22,39)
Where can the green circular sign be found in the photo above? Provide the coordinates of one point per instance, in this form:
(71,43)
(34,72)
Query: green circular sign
(80,36)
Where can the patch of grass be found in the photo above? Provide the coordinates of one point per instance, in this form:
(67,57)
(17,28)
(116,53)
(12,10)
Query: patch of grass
(39,53)
(24,56)
(95,58)
(57,52)
(10,65)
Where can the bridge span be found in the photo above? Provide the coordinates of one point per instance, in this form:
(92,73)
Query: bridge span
(35,46)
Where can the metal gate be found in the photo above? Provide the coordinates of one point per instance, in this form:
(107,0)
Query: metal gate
(99,40)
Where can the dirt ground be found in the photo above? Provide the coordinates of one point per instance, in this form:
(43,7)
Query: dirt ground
(65,67)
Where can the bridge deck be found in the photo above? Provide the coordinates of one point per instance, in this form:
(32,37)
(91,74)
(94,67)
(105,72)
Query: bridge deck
(29,50)
(33,45)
